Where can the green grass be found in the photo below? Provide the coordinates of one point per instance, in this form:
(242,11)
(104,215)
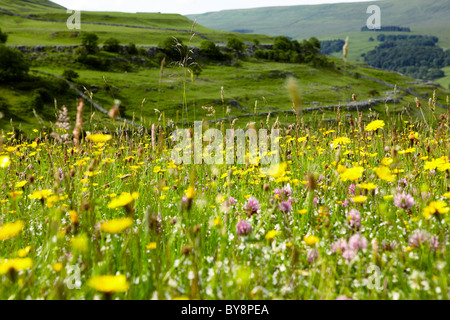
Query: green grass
(256,83)
(445,82)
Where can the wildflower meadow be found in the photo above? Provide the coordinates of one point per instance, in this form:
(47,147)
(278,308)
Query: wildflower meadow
(356,208)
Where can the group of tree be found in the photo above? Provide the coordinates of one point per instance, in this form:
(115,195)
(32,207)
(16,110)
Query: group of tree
(286,50)
(415,56)
(430,40)
(92,56)
(388,29)
(331,46)
(13,65)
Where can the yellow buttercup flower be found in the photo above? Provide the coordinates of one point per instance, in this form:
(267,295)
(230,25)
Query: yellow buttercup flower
(444,167)
(22,253)
(271,234)
(435,207)
(99,138)
(375,125)
(352,174)
(15,194)
(80,243)
(190,193)
(275,171)
(40,194)
(413,135)
(116,225)
(359,199)
(446,195)
(109,284)
(435,163)
(151,246)
(11,149)
(384,173)
(367,186)
(73,216)
(57,266)
(387,161)
(10,230)
(15,264)
(21,184)
(123,200)
(4,161)
(311,240)
(341,141)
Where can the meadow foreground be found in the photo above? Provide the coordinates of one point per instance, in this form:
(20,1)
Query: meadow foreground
(357,210)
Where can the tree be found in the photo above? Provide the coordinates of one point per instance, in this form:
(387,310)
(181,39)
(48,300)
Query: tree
(282,44)
(209,50)
(111,45)
(3,37)
(236,45)
(173,49)
(315,43)
(13,65)
(132,49)
(90,42)
(70,75)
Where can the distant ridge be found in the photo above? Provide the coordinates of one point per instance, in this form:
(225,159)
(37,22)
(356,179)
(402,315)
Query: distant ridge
(304,21)
(28,6)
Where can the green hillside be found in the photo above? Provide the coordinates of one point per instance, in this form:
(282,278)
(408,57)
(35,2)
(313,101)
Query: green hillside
(29,7)
(23,21)
(337,21)
(300,22)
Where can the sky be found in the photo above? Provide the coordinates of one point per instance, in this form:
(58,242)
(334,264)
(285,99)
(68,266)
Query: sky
(181,6)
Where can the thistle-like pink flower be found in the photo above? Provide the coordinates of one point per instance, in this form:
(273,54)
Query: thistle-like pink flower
(349,255)
(339,245)
(287,190)
(354,218)
(403,183)
(231,201)
(419,237)
(357,242)
(286,206)
(243,228)
(312,255)
(252,206)
(404,201)
(343,298)
(352,189)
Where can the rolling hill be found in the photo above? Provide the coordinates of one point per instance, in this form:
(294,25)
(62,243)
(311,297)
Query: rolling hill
(304,21)
(337,21)
(44,23)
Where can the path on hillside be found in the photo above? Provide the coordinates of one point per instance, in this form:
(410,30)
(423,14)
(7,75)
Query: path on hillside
(352,106)
(394,86)
(111,24)
(86,98)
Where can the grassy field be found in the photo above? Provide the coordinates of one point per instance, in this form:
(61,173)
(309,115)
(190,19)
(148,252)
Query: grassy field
(256,87)
(354,204)
(356,212)
(445,82)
